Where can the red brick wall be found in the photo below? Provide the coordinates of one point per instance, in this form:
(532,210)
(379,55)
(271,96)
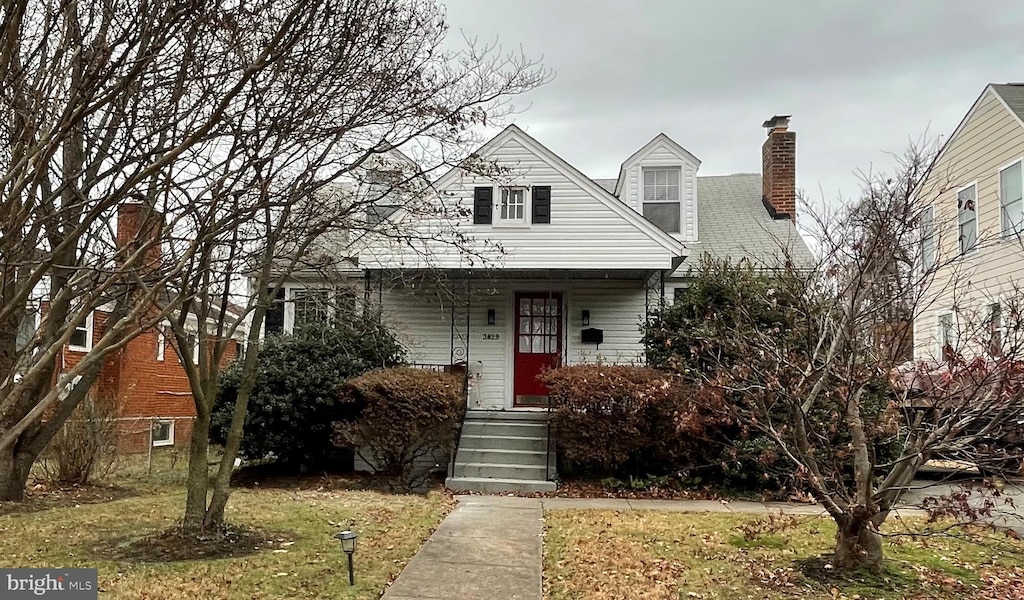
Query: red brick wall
(143,387)
(778,156)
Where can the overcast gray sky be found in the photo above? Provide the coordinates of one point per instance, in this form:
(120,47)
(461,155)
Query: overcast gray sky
(859,77)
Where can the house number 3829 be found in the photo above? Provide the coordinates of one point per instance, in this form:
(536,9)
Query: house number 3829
(491,336)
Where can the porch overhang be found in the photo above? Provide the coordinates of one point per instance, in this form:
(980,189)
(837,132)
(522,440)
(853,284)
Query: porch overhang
(484,274)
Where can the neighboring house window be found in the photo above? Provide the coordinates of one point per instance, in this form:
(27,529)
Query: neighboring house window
(27,327)
(995,329)
(192,339)
(661,198)
(677,294)
(928,245)
(1011,200)
(381,195)
(81,338)
(513,205)
(161,344)
(967,208)
(163,433)
(947,334)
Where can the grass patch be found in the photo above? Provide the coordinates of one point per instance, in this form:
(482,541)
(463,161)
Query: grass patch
(280,544)
(655,555)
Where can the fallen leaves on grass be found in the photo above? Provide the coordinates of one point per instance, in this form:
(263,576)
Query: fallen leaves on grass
(41,495)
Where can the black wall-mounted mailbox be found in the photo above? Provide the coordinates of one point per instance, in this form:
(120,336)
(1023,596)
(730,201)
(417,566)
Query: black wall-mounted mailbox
(592,335)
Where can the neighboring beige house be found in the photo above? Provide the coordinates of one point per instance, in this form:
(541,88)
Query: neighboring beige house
(971,227)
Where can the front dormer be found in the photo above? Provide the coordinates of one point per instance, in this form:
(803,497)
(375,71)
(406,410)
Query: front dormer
(660,182)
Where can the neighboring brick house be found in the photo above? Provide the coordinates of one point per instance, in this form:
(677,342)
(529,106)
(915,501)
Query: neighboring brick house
(145,378)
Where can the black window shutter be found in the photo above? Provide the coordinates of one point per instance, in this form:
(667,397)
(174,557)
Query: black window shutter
(542,204)
(483,200)
(274,320)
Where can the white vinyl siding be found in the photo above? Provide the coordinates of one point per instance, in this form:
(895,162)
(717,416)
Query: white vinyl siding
(588,229)
(928,242)
(422,317)
(967,218)
(1011,200)
(661,198)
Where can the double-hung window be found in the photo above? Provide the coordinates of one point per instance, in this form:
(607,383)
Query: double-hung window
(928,245)
(81,337)
(513,206)
(967,218)
(661,198)
(1011,200)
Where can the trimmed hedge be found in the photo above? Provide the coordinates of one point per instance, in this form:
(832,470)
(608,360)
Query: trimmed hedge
(627,420)
(403,416)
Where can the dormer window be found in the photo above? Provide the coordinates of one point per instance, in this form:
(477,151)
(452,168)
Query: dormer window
(661,197)
(381,193)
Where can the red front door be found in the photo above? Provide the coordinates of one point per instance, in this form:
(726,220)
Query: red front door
(538,344)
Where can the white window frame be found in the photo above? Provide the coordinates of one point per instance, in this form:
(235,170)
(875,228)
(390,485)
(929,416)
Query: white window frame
(170,432)
(1001,329)
(929,242)
(501,209)
(940,336)
(678,169)
(87,325)
(977,222)
(1004,225)
(161,345)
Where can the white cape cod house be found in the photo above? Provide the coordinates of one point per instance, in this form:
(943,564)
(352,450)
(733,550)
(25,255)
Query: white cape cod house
(556,268)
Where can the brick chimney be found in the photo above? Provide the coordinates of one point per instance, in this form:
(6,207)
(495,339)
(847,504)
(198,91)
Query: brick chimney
(138,223)
(778,171)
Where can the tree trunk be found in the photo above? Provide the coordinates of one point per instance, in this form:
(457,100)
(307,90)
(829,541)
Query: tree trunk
(858,546)
(15,467)
(198,476)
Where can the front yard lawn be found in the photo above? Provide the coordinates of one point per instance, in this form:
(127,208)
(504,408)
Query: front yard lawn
(600,555)
(297,555)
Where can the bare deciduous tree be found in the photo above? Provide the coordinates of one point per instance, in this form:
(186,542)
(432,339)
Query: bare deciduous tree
(812,356)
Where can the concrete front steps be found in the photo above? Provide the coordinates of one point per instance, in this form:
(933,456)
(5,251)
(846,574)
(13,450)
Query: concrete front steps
(503,452)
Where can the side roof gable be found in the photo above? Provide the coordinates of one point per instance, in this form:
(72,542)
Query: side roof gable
(660,141)
(513,132)
(989,89)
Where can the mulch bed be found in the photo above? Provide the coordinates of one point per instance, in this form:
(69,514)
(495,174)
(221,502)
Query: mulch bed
(593,488)
(175,545)
(44,496)
(276,476)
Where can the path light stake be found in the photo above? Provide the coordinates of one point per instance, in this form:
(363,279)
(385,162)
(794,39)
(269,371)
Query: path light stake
(348,546)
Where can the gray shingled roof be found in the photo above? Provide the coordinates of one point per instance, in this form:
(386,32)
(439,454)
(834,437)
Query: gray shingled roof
(733,223)
(1013,95)
(608,184)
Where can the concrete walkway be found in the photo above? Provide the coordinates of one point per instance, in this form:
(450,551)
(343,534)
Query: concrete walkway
(488,548)
(491,547)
